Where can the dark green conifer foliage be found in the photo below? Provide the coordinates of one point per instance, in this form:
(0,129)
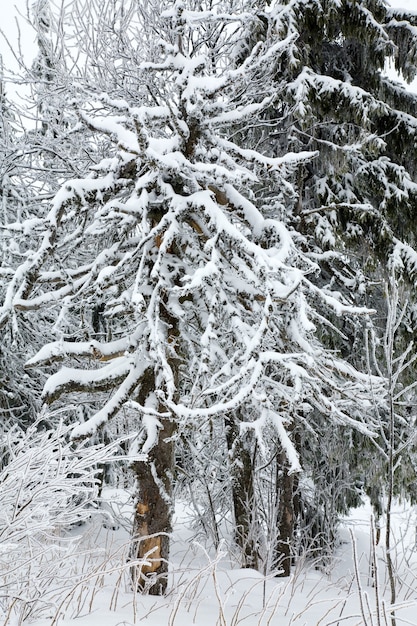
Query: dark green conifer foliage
(355,213)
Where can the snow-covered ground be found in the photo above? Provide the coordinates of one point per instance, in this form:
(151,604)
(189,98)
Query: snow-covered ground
(207,589)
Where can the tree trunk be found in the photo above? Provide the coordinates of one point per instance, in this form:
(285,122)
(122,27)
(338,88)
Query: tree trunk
(153,514)
(287,486)
(243,496)
(152,523)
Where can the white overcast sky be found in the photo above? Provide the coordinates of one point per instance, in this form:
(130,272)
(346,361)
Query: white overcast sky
(10,11)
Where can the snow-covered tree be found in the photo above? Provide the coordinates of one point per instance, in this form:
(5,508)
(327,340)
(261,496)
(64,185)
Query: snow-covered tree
(355,209)
(18,396)
(175,281)
(333,96)
(36,157)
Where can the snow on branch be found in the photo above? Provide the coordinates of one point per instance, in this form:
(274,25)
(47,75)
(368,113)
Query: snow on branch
(59,350)
(70,379)
(336,304)
(131,380)
(272,418)
(289,161)
(47,483)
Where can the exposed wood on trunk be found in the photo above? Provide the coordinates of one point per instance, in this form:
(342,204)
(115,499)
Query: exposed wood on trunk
(153,514)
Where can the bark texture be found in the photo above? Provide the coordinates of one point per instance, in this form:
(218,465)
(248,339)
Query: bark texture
(153,514)
(287,512)
(152,522)
(243,494)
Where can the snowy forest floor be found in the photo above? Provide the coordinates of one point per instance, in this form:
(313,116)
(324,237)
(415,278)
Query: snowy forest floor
(90,585)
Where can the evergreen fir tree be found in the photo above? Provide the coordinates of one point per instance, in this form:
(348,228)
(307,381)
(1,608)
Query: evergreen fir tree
(354,214)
